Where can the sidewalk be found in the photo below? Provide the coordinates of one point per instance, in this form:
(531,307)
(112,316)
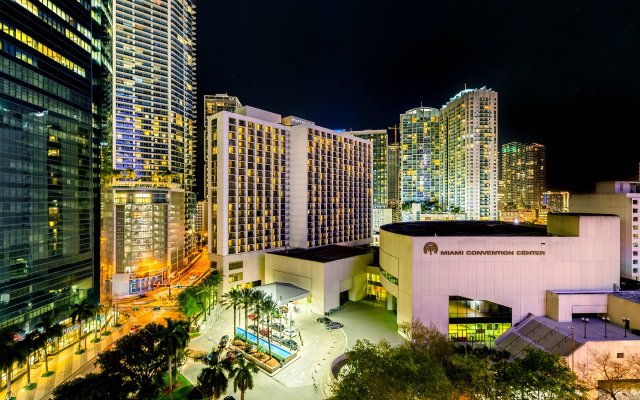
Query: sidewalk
(65,364)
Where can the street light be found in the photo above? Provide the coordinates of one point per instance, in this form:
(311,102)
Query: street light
(572,346)
(626,325)
(585,321)
(606,320)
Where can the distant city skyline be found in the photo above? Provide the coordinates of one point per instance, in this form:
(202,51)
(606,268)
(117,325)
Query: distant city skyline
(345,66)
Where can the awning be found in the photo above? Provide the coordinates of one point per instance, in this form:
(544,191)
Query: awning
(283,292)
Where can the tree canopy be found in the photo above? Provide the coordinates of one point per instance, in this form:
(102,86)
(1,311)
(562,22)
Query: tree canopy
(427,366)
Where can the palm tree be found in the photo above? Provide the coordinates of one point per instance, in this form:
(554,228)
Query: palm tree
(215,280)
(32,342)
(11,352)
(202,294)
(213,379)
(174,337)
(233,299)
(247,299)
(49,331)
(99,309)
(242,375)
(130,174)
(270,308)
(257,297)
(82,311)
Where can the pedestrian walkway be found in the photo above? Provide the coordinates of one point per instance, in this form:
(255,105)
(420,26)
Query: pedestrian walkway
(66,365)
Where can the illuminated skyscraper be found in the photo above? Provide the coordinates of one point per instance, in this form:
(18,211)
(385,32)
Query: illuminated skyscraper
(380,141)
(420,149)
(48,159)
(469,154)
(524,172)
(149,214)
(393,169)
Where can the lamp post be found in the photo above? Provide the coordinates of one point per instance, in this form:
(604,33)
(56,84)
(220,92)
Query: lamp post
(572,346)
(585,321)
(606,321)
(626,325)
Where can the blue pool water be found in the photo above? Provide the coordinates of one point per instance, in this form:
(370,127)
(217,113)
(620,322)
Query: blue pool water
(274,347)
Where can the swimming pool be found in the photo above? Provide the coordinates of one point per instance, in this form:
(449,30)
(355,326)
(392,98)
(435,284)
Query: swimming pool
(275,349)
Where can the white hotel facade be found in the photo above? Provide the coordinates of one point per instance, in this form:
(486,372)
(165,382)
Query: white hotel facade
(272,186)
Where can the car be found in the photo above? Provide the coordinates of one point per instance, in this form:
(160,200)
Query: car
(290,344)
(277,326)
(334,325)
(324,320)
(135,328)
(253,327)
(223,341)
(192,277)
(229,398)
(142,295)
(290,332)
(275,335)
(156,308)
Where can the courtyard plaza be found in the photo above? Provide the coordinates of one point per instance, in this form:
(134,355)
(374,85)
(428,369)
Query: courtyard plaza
(308,376)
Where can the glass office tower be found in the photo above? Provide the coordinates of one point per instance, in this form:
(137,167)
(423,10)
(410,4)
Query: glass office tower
(48,158)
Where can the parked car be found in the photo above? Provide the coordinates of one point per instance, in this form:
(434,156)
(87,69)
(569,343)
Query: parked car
(223,341)
(135,328)
(253,328)
(290,332)
(229,398)
(290,344)
(277,326)
(264,332)
(324,320)
(334,325)
(275,335)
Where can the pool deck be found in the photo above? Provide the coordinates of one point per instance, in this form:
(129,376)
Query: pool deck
(306,377)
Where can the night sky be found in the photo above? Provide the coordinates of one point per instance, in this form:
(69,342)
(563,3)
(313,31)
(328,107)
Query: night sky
(566,71)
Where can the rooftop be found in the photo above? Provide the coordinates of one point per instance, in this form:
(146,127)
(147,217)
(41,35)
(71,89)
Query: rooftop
(324,253)
(631,295)
(464,228)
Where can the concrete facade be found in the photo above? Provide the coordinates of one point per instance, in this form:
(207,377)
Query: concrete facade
(619,198)
(324,279)
(575,252)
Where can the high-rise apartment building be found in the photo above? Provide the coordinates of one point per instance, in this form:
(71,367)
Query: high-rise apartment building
(619,198)
(469,154)
(557,202)
(420,155)
(331,187)
(273,186)
(48,159)
(523,171)
(380,141)
(152,146)
(201,218)
(394,161)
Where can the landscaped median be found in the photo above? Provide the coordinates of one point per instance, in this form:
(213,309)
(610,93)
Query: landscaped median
(259,353)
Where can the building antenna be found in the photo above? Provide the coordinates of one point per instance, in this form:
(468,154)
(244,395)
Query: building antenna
(465,86)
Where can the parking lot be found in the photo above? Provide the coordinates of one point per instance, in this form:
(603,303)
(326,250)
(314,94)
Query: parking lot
(307,376)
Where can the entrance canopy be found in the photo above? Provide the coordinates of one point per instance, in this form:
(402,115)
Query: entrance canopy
(283,292)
